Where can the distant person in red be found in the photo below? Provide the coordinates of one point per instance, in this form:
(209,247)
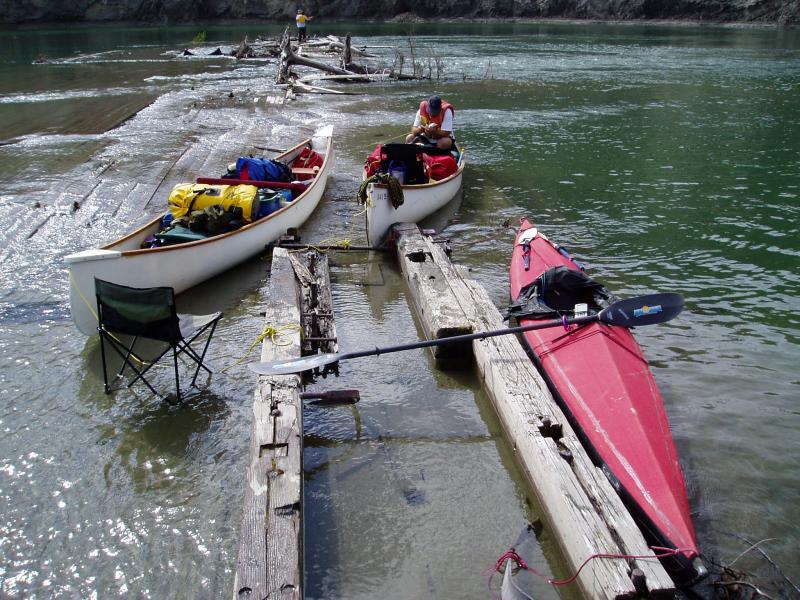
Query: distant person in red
(433,124)
(301,19)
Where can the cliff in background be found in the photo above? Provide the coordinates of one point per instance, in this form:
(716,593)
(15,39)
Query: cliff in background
(780,12)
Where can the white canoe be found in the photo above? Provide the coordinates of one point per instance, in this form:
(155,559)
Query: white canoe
(419,201)
(182,266)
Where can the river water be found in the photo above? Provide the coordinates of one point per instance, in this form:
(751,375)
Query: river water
(667,158)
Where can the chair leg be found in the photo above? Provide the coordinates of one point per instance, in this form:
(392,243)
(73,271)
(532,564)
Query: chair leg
(177,377)
(126,361)
(141,374)
(185,346)
(118,347)
(192,354)
(103,356)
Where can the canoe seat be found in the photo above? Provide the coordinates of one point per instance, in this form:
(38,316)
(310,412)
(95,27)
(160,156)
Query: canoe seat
(305,170)
(148,313)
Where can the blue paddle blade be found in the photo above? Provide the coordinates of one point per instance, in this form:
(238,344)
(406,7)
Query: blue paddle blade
(294,365)
(643,310)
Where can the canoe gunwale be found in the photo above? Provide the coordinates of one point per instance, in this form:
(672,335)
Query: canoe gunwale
(188,264)
(151,224)
(428,185)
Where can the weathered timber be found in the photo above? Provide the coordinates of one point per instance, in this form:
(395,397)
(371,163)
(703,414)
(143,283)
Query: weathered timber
(294,59)
(269,563)
(316,319)
(302,86)
(439,312)
(349,71)
(347,53)
(364,78)
(289,58)
(583,511)
(243,49)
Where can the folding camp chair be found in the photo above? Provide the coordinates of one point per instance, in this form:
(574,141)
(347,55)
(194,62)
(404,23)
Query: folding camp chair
(148,313)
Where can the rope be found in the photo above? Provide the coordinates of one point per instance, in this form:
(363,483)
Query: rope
(324,245)
(274,335)
(658,553)
(395,188)
(397,137)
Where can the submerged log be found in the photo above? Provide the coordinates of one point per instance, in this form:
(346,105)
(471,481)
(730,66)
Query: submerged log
(294,59)
(347,78)
(316,88)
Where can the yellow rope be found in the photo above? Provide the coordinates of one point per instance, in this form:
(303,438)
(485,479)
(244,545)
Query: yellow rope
(324,245)
(274,334)
(397,137)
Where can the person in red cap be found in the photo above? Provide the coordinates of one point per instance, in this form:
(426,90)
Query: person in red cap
(433,124)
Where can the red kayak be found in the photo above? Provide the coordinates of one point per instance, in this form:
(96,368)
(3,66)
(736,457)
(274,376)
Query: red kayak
(599,375)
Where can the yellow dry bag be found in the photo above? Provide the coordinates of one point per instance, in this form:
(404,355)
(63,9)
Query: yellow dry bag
(187,197)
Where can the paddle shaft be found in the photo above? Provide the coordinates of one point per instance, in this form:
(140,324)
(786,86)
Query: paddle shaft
(471,336)
(643,310)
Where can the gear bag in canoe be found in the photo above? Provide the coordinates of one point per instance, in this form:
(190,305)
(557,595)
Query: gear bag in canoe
(188,197)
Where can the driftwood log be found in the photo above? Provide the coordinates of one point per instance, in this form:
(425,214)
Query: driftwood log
(289,58)
(348,71)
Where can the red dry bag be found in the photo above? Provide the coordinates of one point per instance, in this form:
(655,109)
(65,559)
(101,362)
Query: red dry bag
(439,167)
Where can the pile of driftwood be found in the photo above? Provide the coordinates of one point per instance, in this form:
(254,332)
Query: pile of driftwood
(333,59)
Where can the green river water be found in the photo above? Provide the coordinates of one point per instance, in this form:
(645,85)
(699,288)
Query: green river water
(666,158)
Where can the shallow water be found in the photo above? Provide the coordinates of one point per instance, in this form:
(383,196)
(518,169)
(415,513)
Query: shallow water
(665,158)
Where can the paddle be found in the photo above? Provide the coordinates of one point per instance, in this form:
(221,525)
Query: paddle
(633,312)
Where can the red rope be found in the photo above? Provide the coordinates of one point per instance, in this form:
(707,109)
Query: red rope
(658,552)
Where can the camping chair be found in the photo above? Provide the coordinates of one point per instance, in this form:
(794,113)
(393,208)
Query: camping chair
(148,313)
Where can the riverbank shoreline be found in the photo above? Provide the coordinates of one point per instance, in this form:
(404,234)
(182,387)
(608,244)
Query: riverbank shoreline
(412,19)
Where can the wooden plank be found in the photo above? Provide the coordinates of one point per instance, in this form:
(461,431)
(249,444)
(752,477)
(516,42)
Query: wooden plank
(438,309)
(269,563)
(305,170)
(583,510)
(317,318)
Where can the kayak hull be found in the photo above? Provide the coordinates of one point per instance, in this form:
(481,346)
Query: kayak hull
(599,375)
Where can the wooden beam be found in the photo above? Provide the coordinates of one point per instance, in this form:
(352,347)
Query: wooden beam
(316,302)
(583,511)
(437,308)
(269,563)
